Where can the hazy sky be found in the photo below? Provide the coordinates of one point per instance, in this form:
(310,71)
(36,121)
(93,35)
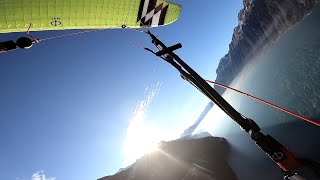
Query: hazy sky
(71,107)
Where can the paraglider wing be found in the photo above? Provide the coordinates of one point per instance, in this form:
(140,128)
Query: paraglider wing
(17,15)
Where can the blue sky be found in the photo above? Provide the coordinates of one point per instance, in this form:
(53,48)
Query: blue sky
(66,105)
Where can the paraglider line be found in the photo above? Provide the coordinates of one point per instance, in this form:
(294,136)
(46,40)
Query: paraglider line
(37,40)
(267,103)
(77,33)
(71,34)
(59,36)
(138,45)
(124,25)
(138,30)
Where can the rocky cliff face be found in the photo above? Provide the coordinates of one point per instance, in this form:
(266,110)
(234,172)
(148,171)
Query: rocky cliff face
(188,159)
(261,24)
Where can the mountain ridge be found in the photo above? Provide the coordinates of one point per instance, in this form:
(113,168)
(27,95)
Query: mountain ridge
(261,24)
(200,158)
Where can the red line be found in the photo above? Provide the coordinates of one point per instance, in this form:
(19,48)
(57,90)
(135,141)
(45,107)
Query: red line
(267,103)
(71,34)
(28,33)
(60,36)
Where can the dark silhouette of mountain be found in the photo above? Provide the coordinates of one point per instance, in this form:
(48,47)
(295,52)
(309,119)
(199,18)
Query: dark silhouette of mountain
(198,135)
(188,132)
(188,159)
(261,24)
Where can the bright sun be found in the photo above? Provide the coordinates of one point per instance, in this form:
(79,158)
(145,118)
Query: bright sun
(140,141)
(142,135)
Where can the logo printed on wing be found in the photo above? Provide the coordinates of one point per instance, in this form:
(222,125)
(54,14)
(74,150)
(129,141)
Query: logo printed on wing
(150,14)
(56,22)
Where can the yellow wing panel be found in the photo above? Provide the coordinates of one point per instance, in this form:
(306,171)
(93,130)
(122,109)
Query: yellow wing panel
(16,15)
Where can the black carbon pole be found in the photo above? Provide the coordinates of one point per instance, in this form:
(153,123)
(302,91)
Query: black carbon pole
(216,97)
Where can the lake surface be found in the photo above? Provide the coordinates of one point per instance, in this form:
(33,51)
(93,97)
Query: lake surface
(289,76)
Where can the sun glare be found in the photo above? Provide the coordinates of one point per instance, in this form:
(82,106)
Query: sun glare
(143,135)
(140,141)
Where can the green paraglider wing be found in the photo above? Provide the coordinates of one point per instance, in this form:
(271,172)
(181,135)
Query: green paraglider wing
(17,15)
